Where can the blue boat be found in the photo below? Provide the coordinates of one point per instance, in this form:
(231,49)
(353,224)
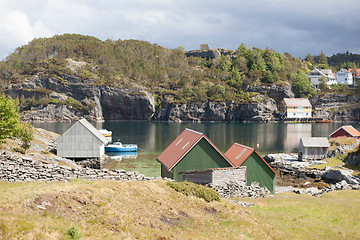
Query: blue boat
(119,147)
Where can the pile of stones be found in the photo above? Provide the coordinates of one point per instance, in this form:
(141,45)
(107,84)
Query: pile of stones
(343,185)
(17,169)
(236,189)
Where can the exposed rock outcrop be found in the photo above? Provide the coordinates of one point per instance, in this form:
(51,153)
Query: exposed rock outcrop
(260,109)
(336,107)
(211,53)
(97,103)
(276,92)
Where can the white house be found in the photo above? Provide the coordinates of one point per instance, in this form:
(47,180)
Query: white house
(296,107)
(326,75)
(81,140)
(344,77)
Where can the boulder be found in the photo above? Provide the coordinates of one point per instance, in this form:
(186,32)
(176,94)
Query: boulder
(338,175)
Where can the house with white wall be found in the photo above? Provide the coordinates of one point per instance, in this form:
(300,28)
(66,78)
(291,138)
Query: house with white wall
(296,107)
(318,75)
(344,77)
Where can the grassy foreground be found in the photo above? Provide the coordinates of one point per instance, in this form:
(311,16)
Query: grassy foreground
(152,210)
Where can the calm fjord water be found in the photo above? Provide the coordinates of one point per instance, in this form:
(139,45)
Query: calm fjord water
(153,137)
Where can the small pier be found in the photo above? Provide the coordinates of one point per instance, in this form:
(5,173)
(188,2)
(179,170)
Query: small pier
(305,120)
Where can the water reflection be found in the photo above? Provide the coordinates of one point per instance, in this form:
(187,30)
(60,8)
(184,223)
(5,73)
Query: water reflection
(118,156)
(153,137)
(293,134)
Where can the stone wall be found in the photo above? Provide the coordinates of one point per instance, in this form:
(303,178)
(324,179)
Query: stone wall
(13,169)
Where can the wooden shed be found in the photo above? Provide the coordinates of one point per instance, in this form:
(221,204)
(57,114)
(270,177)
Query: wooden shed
(82,140)
(313,148)
(257,169)
(346,131)
(191,150)
(216,176)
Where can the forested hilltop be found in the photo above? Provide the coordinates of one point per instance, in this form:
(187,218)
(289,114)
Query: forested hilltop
(46,70)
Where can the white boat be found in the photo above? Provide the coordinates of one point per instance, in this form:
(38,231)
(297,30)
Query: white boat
(106,133)
(119,147)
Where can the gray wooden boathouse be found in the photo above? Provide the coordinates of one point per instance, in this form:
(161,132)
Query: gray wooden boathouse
(81,141)
(313,148)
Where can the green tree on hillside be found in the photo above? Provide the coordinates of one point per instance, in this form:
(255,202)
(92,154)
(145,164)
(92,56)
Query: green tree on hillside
(301,85)
(25,133)
(322,61)
(10,124)
(9,117)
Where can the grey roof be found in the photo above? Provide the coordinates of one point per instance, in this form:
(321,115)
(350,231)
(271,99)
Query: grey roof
(90,127)
(326,71)
(93,130)
(315,142)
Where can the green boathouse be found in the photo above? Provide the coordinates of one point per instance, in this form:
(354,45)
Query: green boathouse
(191,150)
(257,169)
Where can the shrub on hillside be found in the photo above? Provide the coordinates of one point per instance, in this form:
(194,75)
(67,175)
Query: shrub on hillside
(196,190)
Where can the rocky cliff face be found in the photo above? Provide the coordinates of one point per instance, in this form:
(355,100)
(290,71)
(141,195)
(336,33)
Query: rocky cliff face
(336,107)
(99,103)
(261,109)
(114,103)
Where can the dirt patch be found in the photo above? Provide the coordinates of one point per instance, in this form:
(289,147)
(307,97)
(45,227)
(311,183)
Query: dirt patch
(170,220)
(290,180)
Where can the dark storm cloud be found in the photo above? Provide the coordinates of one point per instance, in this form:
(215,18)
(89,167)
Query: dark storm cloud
(297,27)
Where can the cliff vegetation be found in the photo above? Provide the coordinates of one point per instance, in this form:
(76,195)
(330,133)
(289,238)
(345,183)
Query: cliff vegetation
(70,76)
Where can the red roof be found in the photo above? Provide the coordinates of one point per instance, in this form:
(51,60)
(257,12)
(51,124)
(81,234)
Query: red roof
(357,73)
(181,146)
(238,154)
(349,129)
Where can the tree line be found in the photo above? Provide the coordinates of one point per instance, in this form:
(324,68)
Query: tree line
(165,72)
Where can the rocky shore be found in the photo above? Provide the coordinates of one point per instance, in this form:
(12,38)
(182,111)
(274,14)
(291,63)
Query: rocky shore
(288,166)
(71,98)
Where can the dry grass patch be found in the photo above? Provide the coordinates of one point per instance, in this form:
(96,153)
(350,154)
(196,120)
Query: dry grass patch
(120,210)
(340,141)
(332,216)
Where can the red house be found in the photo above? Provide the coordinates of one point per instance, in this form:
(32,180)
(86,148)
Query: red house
(346,131)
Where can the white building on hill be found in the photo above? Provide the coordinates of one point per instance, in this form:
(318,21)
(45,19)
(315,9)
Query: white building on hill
(318,75)
(344,77)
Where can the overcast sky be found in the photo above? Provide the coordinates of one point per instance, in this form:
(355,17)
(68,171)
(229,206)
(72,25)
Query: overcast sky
(295,26)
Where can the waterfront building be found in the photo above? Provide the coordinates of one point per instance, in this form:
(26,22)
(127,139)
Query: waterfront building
(296,108)
(257,169)
(313,148)
(346,131)
(82,140)
(191,150)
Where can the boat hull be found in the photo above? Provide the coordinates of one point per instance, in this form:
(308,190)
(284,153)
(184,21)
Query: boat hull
(124,148)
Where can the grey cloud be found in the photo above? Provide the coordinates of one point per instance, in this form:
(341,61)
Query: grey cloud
(297,27)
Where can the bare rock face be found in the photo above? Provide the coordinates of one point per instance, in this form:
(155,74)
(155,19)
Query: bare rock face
(336,107)
(211,53)
(126,104)
(207,111)
(98,103)
(276,92)
(50,113)
(260,109)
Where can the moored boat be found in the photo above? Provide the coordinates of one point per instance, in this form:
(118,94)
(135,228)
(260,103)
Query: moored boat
(323,121)
(119,147)
(106,133)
